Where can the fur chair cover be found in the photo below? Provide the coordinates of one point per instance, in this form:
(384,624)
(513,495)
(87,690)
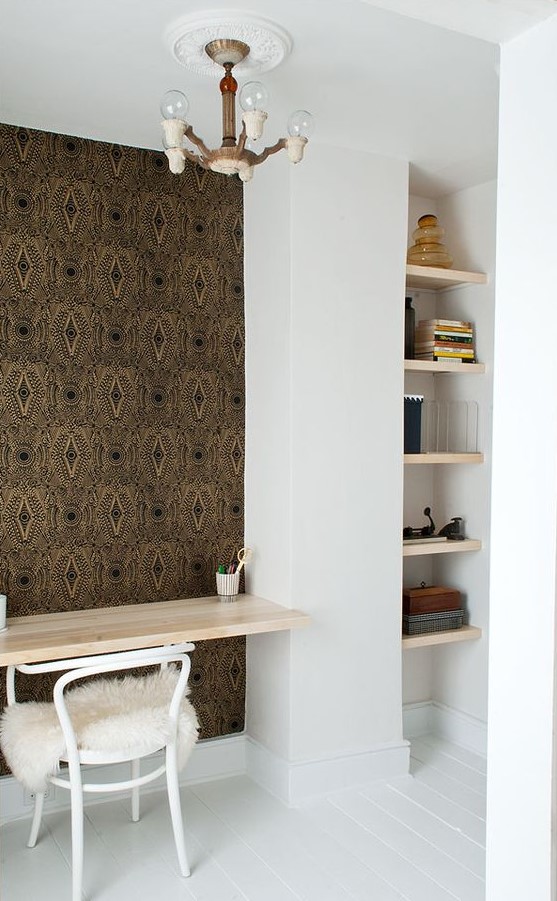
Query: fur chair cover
(115,714)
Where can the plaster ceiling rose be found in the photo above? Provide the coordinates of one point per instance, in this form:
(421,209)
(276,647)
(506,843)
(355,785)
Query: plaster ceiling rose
(268,43)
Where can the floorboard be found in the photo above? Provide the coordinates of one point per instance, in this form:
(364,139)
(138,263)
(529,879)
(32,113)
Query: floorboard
(470,758)
(387,864)
(451,815)
(274,834)
(449,765)
(417,838)
(448,787)
(411,847)
(433,829)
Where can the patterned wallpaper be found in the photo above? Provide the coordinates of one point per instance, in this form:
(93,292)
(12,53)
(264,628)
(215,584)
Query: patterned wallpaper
(121,388)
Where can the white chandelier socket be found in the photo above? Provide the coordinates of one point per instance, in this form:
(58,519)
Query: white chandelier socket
(295,146)
(246,174)
(176,160)
(174,130)
(254,120)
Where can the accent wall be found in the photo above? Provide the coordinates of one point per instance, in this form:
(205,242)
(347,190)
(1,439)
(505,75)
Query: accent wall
(121,388)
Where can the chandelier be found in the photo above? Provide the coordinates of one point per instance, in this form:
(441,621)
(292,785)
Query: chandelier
(233,157)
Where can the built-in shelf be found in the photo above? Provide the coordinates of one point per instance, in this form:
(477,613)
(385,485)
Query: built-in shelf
(431,278)
(443,458)
(442,366)
(441,547)
(465,633)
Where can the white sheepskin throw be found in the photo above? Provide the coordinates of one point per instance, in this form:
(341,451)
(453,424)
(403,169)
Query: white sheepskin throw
(127,714)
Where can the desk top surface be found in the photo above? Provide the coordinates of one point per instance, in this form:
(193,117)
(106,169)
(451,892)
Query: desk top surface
(52,636)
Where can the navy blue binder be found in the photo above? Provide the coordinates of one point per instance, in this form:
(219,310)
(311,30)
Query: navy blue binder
(413,423)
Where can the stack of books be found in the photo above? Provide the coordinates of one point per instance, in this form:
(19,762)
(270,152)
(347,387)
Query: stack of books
(445,339)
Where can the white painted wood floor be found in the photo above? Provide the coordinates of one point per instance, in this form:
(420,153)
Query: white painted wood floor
(419,838)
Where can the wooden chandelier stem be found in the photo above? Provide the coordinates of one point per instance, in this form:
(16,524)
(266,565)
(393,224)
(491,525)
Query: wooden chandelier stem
(228,88)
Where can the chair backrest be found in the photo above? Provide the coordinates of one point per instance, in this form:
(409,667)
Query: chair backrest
(135,658)
(138,713)
(118,662)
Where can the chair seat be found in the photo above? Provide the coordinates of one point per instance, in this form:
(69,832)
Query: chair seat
(113,719)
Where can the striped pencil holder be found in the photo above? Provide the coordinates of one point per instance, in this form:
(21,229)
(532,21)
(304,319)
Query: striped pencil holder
(228,586)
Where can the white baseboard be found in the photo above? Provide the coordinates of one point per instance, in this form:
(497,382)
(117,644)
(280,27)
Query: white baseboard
(417,719)
(447,722)
(291,782)
(295,782)
(215,758)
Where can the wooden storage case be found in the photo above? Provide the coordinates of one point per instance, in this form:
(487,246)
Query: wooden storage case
(429,599)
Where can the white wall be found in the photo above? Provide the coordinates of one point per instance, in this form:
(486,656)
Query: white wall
(267,464)
(523,570)
(323,479)
(461,672)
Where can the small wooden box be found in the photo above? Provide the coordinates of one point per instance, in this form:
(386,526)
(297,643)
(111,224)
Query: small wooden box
(430,599)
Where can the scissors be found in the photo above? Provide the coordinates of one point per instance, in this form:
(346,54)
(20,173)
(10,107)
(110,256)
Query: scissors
(244,555)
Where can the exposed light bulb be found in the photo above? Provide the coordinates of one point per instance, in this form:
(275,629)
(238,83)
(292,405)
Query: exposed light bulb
(300,124)
(253,96)
(174,105)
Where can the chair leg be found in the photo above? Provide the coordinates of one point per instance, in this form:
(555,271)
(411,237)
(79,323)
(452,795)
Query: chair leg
(135,790)
(37,816)
(76,794)
(175,807)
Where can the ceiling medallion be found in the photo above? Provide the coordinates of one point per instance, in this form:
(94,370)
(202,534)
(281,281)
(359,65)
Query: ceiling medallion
(269,44)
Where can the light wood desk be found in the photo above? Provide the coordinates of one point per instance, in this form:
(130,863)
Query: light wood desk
(54,636)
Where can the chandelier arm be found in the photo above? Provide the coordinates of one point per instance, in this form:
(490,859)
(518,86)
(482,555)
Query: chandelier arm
(195,139)
(261,157)
(193,157)
(242,137)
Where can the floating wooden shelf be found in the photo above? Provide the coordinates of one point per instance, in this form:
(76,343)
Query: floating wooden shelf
(441,547)
(438,366)
(443,458)
(432,278)
(465,633)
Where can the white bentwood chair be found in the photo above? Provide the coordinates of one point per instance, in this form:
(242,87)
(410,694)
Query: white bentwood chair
(169,723)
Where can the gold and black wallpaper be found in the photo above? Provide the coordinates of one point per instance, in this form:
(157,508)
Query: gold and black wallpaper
(121,388)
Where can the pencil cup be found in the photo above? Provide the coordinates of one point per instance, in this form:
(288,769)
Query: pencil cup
(2,612)
(228,586)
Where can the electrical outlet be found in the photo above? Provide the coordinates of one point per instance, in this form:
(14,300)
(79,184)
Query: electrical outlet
(29,797)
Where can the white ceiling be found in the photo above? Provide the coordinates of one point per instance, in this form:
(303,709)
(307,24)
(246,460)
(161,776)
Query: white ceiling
(413,79)
(497,21)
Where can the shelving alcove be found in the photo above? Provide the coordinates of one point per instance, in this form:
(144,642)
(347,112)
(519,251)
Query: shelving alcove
(430,278)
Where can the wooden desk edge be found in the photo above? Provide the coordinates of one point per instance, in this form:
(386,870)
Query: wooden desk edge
(54,645)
